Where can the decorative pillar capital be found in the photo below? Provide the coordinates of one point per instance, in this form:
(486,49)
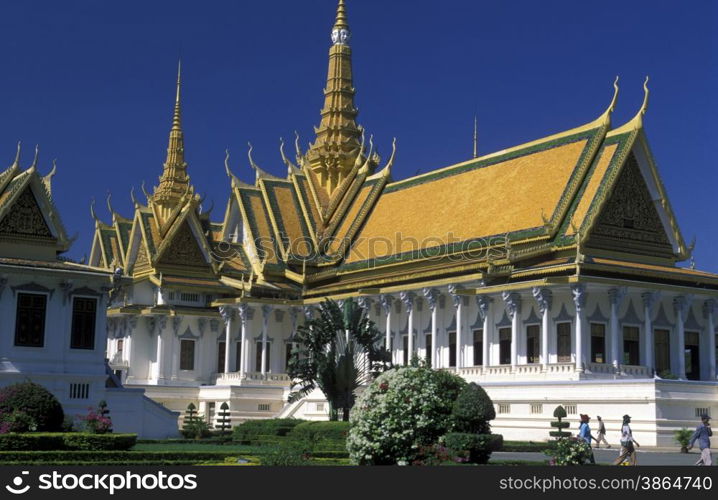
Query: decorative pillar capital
(266,311)
(227,313)
(176,322)
(483,301)
(578,291)
(513,303)
(709,308)
(616,295)
(456,298)
(308,312)
(650,298)
(365,303)
(432,297)
(386,302)
(65,287)
(245,312)
(681,304)
(544,298)
(408,299)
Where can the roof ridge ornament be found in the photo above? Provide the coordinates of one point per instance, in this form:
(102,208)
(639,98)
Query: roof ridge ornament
(636,122)
(614,100)
(37,154)
(644,106)
(16,163)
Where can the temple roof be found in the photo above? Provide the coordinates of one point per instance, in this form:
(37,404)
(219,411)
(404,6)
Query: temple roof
(588,198)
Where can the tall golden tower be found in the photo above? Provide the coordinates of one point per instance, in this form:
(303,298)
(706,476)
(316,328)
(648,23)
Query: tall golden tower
(174,182)
(334,153)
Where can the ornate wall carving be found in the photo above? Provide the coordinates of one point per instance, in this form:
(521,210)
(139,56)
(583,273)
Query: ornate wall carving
(25,218)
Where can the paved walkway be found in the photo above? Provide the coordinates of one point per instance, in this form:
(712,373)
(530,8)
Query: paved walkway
(645,457)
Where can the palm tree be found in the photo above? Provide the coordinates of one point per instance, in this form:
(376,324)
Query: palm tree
(338,351)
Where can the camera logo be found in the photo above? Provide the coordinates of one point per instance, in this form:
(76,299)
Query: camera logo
(16,488)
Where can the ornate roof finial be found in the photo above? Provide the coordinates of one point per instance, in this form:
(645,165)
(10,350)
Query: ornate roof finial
(226,163)
(37,153)
(174,179)
(92,211)
(644,106)
(144,191)
(109,204)
(177,117)
(132,196)
(16,163)
(340,31)
(476,137)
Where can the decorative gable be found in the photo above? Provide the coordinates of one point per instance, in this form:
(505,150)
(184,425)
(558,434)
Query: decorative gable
(184,249)
(25,218)
(630,221)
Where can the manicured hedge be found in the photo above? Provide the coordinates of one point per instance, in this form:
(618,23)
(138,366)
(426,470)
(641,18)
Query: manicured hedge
(70,456)
(527,446)
(478,446)
(44,441)
(321,435)
(253,431)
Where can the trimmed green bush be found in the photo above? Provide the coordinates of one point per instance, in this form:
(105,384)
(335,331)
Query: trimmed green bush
(269,431)
(27,406)
(476,448)
(99,457)
(401,412)
(559,413)
(45,441)
(683,438)
(321,435)
(473,409)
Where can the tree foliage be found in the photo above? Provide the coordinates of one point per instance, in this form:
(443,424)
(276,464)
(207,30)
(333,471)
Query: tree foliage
(27,406)
(473,409)
(337,352)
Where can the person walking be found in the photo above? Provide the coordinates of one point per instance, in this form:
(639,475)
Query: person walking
(702,435)
(601,433)
(628,444)
(584,432)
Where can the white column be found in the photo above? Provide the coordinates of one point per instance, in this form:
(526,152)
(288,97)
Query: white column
(484,303)
(159,325)
(615,296)
(709,309)
(649,359)
(680,305)
(175,346)
(266,310)
(244,312)
(459,307)
(227,314)
(386,303)
(432,297)
(408,299)
(544,298)
(578,291)
(513,308)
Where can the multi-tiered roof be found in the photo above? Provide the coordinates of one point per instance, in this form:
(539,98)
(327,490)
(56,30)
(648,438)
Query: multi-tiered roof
(587,200)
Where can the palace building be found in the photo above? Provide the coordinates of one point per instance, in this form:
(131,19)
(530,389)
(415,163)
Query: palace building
(547,272)
(53,328)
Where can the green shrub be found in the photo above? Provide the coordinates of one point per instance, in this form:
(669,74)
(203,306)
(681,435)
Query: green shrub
(570,451)
(196,429)
(45,441)
(683,438)
(476,448)
(252,430)
(559,413)
(98,442)
(288,455)
(400,412)
(27,406)
(472,411)
(321,435)
(100,457)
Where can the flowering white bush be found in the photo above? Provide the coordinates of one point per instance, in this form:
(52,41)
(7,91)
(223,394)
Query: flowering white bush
(401,412)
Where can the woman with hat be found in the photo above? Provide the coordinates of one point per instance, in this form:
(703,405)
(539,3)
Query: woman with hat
(628,450)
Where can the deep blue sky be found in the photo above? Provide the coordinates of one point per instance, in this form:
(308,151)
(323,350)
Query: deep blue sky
(93,84)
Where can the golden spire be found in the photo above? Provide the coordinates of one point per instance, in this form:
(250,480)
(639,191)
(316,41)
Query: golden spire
(174,181)
(334,153)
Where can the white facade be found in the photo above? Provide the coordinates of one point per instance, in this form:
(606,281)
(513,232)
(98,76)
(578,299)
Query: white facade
(540,344)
